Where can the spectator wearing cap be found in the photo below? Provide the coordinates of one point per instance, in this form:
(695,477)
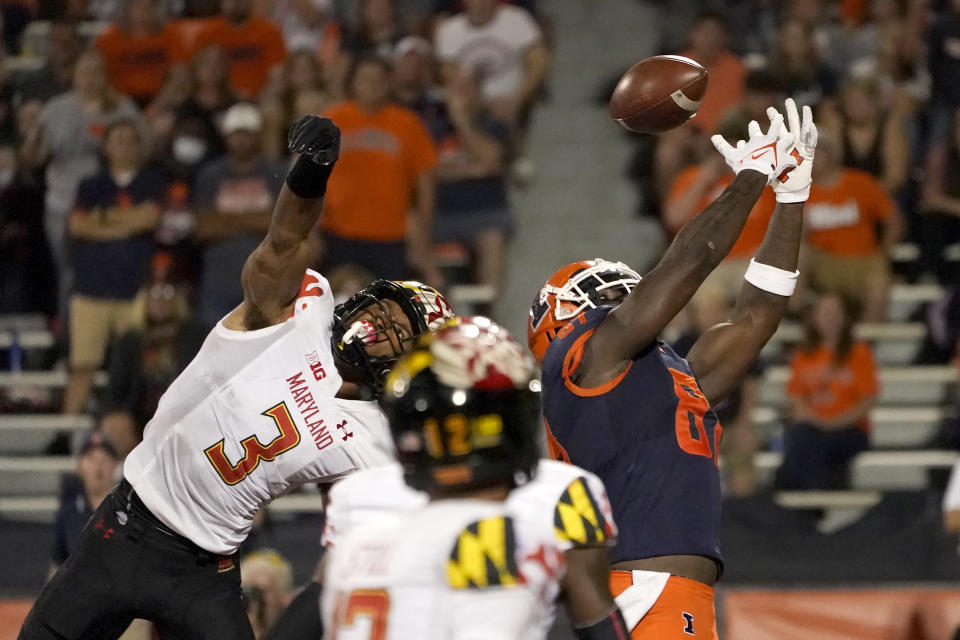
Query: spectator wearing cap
(383,180)
(140,50)
(96,472)
(67,140)
(414,86)
(253,44)
(111,229)
(505,46)
(234,197)
(845,252)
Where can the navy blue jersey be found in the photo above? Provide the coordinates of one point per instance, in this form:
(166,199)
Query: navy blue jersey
(649,435)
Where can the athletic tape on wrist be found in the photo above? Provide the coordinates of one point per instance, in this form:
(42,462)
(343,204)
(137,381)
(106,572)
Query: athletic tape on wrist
(771,279)
(307,179)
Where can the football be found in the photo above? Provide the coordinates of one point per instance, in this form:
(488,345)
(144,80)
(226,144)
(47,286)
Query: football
(658,94)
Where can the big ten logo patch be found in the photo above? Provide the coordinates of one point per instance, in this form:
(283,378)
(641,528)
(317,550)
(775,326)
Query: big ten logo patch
(578,517)
(484,556)
(316,367)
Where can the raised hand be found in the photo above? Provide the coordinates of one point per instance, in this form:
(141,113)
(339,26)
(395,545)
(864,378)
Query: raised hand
(793,185)
(317,138)
(767,153)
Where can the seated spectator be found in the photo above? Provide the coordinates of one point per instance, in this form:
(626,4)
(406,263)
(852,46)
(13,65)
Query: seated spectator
(940,204)
(844,253)
(873,138)
(145,361)
(253,45)
(64,46)
(140,50)
(233,197)
(301,73)
(111,227)
(97,467)
(488,31)
(365,221)
(942,320)
(67,140)
(27,276)
(267,582)
(708,36)
(472,203)
(806,78)
(832,388)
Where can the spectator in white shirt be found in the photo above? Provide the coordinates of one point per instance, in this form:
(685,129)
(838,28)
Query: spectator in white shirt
(505,46)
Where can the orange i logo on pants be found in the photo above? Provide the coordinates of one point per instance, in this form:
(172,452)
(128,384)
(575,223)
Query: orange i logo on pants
(683,611)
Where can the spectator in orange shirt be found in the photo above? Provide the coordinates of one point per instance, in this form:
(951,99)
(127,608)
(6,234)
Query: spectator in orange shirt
(140,50)
(708,37)
(845,254)
(833,386)
(253,44)
(385,168)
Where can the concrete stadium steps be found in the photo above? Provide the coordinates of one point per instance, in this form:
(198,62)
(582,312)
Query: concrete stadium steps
(875,470)
(33,475)
(29,434)
(899,386)
(894,343)
(893,427)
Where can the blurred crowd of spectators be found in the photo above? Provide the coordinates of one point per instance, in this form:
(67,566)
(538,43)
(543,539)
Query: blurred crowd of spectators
(143,144)
(883,78)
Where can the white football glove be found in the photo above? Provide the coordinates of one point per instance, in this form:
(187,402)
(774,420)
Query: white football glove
(767,152)
(793,185)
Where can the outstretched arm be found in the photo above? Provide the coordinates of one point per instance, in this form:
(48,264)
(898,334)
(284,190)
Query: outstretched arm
(274,271)
(699,247)
(724,353)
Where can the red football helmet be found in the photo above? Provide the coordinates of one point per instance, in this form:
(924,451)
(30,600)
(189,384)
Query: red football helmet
(570,291)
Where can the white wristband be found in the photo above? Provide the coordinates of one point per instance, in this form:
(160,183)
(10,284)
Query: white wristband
(771,279)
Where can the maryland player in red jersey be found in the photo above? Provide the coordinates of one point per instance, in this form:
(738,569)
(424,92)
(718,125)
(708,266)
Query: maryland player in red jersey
(620,403)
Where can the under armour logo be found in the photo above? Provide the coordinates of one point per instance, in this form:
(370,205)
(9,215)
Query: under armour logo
(343,427)
(106,532)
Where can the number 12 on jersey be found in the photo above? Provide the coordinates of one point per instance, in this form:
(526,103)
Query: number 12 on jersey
(254,451)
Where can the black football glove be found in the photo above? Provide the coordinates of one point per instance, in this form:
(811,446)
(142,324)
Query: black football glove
(317,138)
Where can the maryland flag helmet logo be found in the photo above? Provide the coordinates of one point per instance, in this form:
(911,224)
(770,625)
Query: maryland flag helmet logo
(484,556)
(578,519)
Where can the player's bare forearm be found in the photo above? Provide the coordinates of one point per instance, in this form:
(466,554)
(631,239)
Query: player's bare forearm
(274,271)
(723,355)
(698,248)
(586,590)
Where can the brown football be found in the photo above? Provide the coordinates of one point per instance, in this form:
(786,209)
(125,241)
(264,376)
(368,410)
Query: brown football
(658,94)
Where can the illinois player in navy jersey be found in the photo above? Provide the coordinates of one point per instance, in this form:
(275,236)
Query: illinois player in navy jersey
(620,403)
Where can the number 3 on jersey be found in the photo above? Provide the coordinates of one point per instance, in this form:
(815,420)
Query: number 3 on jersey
(254,451)
(692,406)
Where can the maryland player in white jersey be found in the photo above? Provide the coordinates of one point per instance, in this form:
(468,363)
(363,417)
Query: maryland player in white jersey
(282,392)
(469,535)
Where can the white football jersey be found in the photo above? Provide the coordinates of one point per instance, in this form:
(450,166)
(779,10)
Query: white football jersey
(401,566)
(252,416)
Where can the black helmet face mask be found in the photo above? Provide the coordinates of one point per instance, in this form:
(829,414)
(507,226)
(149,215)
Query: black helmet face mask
(378,324)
